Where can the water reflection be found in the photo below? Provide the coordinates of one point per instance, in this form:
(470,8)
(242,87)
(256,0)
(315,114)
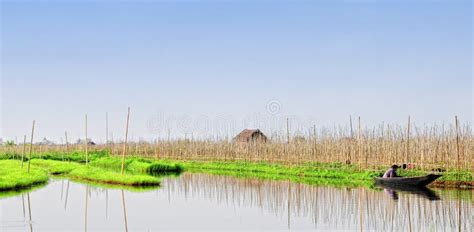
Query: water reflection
(207,202)
(420,191)
(344,208)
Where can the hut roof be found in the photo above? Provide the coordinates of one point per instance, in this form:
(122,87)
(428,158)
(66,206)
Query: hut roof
(249,135)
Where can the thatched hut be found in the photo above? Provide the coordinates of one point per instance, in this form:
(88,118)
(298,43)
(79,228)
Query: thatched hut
(89,141)
(249,135)
(46,142)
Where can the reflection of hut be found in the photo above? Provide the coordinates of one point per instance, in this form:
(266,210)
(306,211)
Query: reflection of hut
(249,135)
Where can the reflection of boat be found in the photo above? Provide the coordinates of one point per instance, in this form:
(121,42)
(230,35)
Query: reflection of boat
(421,191)
(419,181)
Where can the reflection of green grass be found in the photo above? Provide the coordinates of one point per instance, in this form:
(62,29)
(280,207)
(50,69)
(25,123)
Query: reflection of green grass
(13,177)
(16,192)
(111,186)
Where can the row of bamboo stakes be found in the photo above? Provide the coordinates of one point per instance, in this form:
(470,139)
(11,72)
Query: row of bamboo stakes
(430,147)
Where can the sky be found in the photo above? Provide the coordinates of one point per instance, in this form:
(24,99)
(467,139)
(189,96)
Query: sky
(212,68)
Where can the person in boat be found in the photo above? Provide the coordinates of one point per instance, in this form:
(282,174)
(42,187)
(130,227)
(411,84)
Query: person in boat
(391,172)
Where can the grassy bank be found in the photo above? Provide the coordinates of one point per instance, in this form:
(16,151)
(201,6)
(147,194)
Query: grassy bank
(138,165)
(94,174)
(99,175)
(314,174)
(12,177)
(335,174)
(104,169)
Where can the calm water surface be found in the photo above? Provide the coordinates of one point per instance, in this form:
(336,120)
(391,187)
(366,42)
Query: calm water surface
(206,202)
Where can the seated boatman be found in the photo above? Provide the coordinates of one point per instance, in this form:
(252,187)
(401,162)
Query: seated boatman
(391,172)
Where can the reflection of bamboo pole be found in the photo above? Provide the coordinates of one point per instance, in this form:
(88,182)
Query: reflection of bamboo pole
(288,205)
(125,143)
(31,145)
(106,203)
(409,213)
(360,207)
(124,212)
(23,203)
(62,188)
(85,212)
(289,201)
(24,150)
(67,193)
(459,211)
(29,212)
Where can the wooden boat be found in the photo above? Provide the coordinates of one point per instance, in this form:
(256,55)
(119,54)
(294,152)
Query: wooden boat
(419,181)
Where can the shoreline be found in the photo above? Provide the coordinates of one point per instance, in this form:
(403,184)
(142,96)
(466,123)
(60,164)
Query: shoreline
(146,172)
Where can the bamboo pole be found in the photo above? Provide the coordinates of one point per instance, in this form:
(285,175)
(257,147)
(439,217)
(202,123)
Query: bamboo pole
(86,143)
(106,128)
(24,150)
(458,166)
(125,143)
(407,157)
(67,144)
(351,140)
(31,145)
(359,143)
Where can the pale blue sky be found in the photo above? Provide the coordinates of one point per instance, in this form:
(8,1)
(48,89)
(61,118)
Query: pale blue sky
(212,67)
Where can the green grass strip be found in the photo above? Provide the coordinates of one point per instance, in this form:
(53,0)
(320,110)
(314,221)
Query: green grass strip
(138,165)
(99,175)
(13,177)
(94,174)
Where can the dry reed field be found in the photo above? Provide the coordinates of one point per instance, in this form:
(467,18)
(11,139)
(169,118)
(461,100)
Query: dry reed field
(450,147)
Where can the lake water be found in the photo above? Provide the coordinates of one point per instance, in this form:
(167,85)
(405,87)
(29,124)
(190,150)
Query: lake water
(214,203)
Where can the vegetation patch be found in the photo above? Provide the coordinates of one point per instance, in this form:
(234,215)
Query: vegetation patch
(99,175)
(138,165)
(13,177)
(106,171)
(55,167)
(314,174)
(335,174)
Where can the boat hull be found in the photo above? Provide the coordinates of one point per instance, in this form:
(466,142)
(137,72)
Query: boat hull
(419,181)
